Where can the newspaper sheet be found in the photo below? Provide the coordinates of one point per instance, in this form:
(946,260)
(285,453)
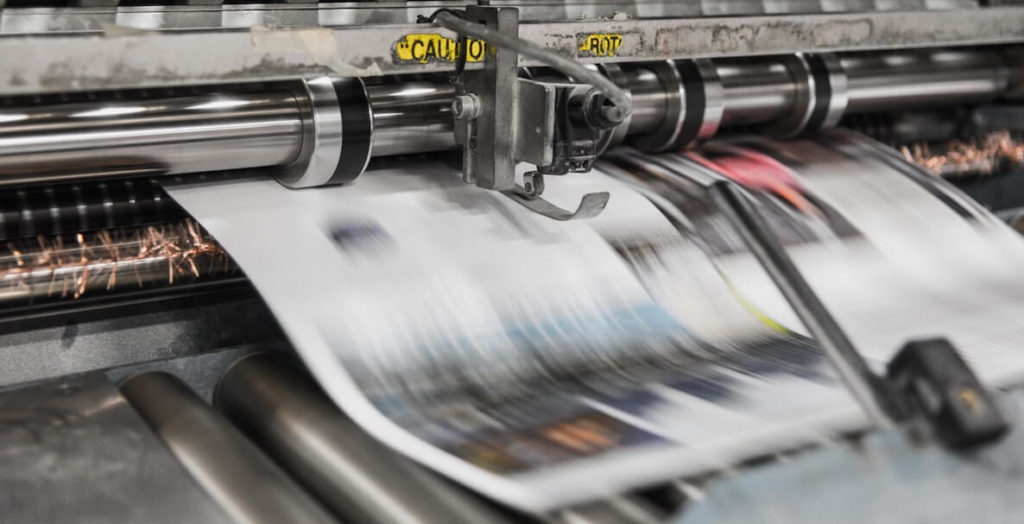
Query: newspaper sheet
(545,363)
(539,362)
(893,253)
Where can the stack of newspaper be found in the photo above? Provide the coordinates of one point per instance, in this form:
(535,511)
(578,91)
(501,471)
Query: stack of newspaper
(545,363)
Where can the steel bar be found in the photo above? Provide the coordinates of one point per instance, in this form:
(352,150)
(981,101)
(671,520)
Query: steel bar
(247,484)
(871,392)
(287,127)
(879,82)
(218,131)
(352,473)
(411,117)
(755,91)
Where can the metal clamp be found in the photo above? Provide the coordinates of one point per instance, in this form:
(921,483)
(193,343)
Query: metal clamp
(561,132)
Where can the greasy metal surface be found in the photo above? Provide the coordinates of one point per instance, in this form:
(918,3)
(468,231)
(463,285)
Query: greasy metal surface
(117,59)
(246,483)
(883,478)
(100,336)
(285,413)
(73,450)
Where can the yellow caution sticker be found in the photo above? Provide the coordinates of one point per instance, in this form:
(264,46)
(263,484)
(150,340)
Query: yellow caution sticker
(429,47)
(600,44)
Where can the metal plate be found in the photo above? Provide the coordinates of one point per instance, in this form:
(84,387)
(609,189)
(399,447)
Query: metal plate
(131,58)
(109,335)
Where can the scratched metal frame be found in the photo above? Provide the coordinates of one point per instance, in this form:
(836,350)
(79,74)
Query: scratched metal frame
(126,58)
(88,15)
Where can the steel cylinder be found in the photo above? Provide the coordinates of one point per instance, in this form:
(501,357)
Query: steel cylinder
(247,484)
(755,91)
(649,101)
(286,414)
(411,117)
(326,132)
(183,134)
(884,81)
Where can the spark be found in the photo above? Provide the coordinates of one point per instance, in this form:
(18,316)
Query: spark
(96,259)
(984,156)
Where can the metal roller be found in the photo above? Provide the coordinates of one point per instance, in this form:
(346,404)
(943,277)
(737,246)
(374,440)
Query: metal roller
(247,484)
(82,207)
(325,130)
(411,117)
(881,81)
(185,134)
(755,91)
(353,474)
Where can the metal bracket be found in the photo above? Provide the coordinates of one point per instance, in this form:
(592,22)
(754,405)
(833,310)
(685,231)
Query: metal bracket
(590,206)
(501,119)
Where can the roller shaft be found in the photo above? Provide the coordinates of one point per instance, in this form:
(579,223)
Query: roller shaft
(879,82)
(163,136)
(294,128)
(286,414)
(247,484)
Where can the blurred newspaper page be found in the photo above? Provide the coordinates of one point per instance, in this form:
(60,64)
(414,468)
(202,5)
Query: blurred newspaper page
(894,253)
(541,363)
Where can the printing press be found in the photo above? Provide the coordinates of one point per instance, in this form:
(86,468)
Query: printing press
(145,378)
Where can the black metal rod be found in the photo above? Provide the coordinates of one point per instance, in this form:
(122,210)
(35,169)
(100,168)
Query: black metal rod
(869,389)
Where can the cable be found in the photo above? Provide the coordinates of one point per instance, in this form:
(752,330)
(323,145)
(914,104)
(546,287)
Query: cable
(621,103)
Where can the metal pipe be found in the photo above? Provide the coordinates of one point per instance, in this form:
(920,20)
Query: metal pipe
(411,117)
(293,128)
(649,101)
(164,136)
(353,474)
(247,484)
(878,82)
(755,92)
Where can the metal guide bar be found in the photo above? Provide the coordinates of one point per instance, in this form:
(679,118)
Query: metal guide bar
(126,59)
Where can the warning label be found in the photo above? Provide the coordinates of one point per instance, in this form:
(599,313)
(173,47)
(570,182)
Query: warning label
(427,47)
(600,44)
